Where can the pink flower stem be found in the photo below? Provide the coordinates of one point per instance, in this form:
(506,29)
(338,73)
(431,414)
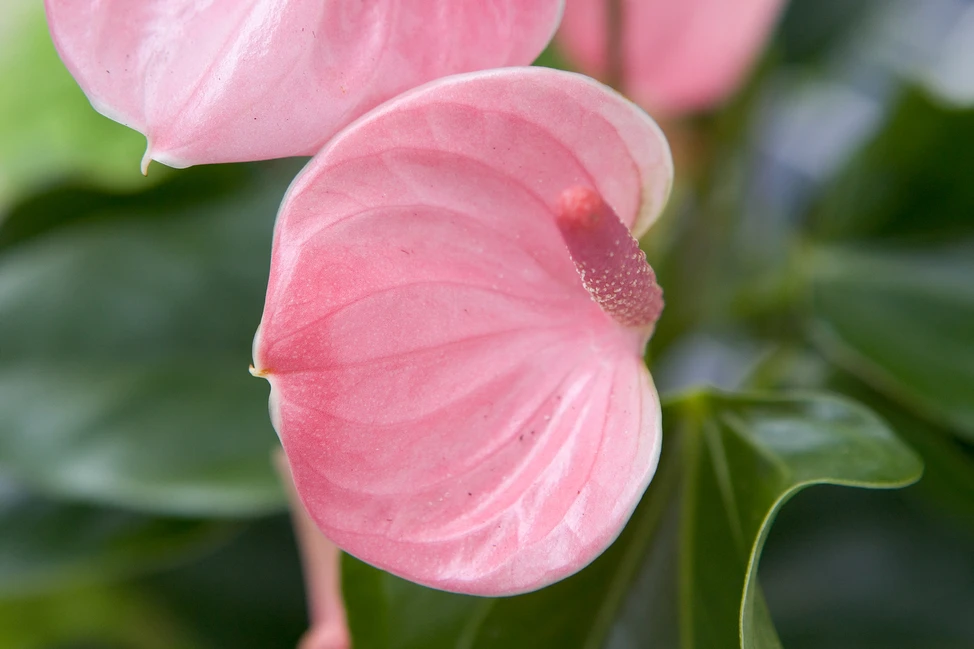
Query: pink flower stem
(322,573)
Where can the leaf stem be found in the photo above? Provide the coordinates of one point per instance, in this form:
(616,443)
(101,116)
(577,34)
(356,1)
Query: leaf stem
(614,46)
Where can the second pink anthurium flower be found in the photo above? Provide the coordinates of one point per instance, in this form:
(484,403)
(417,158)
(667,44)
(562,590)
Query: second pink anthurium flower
(671,56)
(455,324)
(233,80)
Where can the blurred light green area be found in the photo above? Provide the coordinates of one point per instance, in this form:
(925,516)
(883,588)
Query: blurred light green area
(819,239)
(48,131)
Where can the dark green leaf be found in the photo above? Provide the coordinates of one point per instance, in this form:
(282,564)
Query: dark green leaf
(911,183)
(386,612)
(682,574)
(49,544)
(126,343)
(183,437)
(752,455)
(77,202)
(811,29)
(880,572)
(902,322)
(247,595)
(948,474)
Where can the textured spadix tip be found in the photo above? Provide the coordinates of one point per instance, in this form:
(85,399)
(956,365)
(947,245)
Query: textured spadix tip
(608,259)
(456,315)
(579,207)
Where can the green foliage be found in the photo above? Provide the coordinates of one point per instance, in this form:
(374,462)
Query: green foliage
(103,618)
(692,546)
(48,544)
(48,130)
(127,335)
(903,322)
(133,432)
(247,595)
(884,572)
(910,184)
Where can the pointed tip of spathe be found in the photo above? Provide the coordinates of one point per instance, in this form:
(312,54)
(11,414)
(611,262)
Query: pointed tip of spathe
(147,158)
(260,374)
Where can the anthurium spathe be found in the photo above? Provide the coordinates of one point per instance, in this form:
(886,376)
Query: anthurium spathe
(455,323)
(671,56)
(233,80)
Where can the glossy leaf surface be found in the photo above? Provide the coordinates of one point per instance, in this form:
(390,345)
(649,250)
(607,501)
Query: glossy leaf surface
(683,573)
(901,321)
(231,81)
(124,375)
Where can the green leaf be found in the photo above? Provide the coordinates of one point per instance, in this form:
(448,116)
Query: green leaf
(386,612)
(126,340)
(748,457)
(902,322)
(948,474)
(881,572)
(48,130)
(74,202)
(183,437)
(90,618)
(48,544)
(910,184)
(683,572)
(247,595)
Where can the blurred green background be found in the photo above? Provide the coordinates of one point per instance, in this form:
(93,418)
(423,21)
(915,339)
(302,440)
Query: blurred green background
(820,238)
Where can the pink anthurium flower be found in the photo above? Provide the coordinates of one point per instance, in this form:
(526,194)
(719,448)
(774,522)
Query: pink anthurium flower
(455,323)
(671,56)
(233,80)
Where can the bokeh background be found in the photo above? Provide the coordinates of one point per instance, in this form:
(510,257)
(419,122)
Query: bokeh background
(821,235)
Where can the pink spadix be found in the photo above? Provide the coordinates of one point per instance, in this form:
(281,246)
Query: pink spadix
(457,404)
(608,259)
(233,80)
(671,56)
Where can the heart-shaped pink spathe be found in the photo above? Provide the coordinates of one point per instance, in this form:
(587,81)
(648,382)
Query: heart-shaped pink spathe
(234,80)
(676,56)
(455,323)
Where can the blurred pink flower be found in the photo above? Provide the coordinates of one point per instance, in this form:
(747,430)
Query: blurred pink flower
(232,80)
(455,323)
(670,56)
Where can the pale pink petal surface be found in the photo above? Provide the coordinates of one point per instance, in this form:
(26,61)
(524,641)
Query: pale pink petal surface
(232,80)
(676,55)
(457,404)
